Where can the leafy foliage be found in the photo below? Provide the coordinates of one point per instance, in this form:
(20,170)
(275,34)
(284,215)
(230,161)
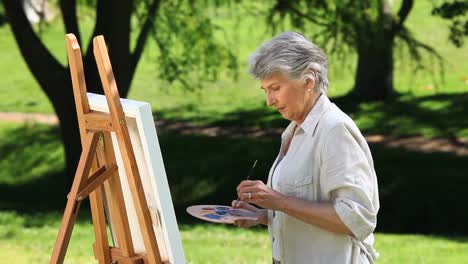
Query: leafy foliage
(189,48)
(338,20)
(457,13)
(371,28)
(337,24)
(186,39)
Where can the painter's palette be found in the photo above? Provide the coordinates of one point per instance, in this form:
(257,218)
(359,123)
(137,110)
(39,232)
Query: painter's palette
(220,213)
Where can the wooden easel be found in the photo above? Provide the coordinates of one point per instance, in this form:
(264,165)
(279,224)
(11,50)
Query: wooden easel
(97,174)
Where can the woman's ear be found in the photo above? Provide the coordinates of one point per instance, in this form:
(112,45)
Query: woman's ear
(310,83)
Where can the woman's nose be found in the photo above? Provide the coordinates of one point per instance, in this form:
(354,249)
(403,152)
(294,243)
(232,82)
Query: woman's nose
(270,100)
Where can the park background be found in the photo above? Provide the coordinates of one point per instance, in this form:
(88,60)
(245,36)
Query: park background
(212,122)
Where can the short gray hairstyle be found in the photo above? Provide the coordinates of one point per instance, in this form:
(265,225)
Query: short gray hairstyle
(293,55)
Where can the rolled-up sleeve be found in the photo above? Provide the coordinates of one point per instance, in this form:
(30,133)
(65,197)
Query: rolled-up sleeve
(349,179)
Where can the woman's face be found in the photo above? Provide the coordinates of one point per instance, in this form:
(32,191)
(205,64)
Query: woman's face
(290,97)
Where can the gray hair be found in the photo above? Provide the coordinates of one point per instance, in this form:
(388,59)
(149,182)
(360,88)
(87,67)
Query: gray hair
(293,55)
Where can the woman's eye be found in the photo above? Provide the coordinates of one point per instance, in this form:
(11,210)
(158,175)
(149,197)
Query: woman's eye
(275,88)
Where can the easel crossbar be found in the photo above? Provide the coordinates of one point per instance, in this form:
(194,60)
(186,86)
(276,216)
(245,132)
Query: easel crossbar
(96,180)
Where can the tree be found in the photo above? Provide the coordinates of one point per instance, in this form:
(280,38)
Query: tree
(182,33)
(369,27)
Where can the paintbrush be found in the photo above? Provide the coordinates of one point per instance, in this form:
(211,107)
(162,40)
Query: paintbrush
(248,177)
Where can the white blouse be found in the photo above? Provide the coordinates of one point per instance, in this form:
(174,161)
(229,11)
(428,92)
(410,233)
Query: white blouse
(328,160)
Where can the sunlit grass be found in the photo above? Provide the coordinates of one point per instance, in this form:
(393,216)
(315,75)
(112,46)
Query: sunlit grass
(24,242)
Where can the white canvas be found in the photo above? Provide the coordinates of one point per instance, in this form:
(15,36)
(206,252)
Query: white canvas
(145,144)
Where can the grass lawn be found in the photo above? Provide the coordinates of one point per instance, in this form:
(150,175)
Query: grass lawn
(32,198)
(29,239)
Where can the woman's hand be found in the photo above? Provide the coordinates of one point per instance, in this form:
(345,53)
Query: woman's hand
(258,193)
(261,214)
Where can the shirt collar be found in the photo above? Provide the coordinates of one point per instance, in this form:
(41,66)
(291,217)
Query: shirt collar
(312,118)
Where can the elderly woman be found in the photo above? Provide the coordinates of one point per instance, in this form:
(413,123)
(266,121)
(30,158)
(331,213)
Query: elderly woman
(321,199)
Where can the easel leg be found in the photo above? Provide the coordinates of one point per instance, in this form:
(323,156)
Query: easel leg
(99,221)
(73,203)
(101,248)
(63,238)
(116,203)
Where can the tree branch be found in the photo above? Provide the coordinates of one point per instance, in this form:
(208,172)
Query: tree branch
(112,21)
(145,30)
(68,9)
(32,49)
(91,71)
(283,7)
(308,17)
(414,47)
(99,28)
(403,13)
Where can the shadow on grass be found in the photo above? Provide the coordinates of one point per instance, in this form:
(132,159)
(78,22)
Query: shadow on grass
(31,172)
(420,192)
(257,115)
(442,115)
(31,166)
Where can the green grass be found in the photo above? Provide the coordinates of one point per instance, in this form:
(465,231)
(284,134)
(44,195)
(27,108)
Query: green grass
(29,239)
(440,115)
(421,249)
(40,151)
(34,236)
(32,179)
(433,31)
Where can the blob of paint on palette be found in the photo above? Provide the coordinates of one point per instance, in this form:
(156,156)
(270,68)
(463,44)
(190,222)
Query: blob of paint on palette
(213,216)
(221,210)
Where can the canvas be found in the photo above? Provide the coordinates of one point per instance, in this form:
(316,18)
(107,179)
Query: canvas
(142,130)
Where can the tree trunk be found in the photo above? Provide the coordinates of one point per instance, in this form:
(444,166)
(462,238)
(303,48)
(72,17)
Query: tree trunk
(374,72)
(54,79)
(69,132)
